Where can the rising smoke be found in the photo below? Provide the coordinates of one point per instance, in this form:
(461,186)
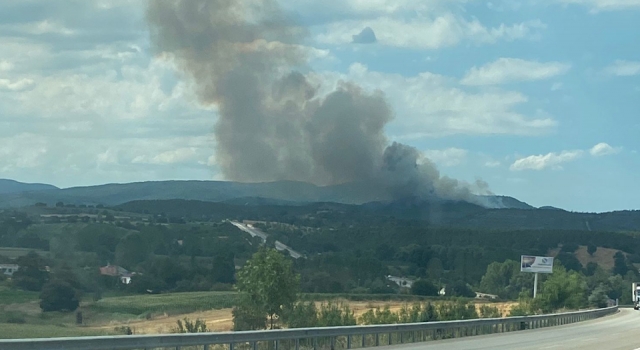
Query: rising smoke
(246,58)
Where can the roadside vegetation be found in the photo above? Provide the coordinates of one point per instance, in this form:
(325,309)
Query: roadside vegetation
(201,268)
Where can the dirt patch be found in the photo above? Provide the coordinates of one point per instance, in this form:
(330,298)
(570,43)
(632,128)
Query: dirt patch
(217,321)
(602,257)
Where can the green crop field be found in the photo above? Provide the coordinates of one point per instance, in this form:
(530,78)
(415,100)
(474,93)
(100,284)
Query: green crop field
(21,331)
(173,303)
(10,296)
(13,253)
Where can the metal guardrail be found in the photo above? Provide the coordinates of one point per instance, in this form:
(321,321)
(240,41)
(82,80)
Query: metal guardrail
(332,338)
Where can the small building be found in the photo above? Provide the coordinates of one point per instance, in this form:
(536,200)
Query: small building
(401,281)
(486,296)
(117,271)
(9,269)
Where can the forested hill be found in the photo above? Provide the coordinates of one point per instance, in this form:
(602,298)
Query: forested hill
(279,192)
(11,186)
(444,213)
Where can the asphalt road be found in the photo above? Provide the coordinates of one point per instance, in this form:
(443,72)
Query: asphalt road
(616,332)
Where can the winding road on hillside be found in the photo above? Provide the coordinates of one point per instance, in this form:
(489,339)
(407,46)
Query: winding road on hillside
(254,232)
(615,332)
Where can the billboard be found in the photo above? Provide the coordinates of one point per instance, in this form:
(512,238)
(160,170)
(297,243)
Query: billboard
(538,264)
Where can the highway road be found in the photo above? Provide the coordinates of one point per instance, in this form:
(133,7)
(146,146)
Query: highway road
(615,332)
(254,232)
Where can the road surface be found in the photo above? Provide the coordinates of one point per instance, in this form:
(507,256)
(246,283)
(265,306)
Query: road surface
(616,332)
(254,232)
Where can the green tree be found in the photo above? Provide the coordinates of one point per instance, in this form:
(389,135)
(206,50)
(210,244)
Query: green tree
(620,266)
(592,249)
(498,278)
(269,283)
(58,296)
(598,297)
(563,289)
(302,315)
(32,274)
(132,250)
(424,287)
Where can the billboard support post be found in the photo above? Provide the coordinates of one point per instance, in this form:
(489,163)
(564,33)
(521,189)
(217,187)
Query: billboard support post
(535,265)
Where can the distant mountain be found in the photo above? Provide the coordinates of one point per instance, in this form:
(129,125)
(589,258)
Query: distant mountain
(547,207)
(283,192)
(12,186)
(507,202)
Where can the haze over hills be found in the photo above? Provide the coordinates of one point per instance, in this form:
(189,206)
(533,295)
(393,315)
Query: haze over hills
(281,192)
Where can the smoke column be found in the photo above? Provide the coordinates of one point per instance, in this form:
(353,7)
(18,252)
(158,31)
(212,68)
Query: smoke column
(246,58)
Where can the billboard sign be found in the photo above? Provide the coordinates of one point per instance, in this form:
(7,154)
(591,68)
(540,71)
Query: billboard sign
(537,264)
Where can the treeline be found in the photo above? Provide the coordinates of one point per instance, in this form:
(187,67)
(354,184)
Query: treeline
(437,213)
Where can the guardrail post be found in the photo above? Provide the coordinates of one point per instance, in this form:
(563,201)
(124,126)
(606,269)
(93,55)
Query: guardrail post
(298,344)
(377,339)
(332,340)
(390,335)
(206,346)
(364,340)
(315,343)
(230,346)
(254,345)
(278,343)
(349,341)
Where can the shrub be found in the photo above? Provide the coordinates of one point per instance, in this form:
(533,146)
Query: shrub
(188,326)
(58,296)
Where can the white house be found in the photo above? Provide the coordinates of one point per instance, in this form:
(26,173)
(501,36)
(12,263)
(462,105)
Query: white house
(401,281)
(8,269)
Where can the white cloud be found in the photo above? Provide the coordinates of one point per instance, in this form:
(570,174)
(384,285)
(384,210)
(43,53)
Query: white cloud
(5,65)
(506,70)
(623,68)
(604,5)
(447,157)
(492,163)
(434,105)
(550,160)
(604,149)
(17,85)
(553,160)
(180,155)
(426,32)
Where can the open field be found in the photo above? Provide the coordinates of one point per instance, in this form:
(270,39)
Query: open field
(222,320)
(13,253)
(20,314)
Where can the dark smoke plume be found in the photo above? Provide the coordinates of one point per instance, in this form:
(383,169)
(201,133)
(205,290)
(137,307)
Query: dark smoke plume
(246,58)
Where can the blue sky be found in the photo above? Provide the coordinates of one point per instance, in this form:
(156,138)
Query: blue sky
(540,99)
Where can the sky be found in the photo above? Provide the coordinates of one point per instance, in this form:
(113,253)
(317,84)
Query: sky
(539,98)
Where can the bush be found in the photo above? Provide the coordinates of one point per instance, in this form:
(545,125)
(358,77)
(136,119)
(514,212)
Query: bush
(15,317)
(598,297)
(246,317)
(424,287)
(126,330)
(302,315)
(188,326)
(58,296)
(487,311)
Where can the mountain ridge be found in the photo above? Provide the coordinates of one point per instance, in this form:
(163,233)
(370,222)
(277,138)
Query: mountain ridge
(282,192)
